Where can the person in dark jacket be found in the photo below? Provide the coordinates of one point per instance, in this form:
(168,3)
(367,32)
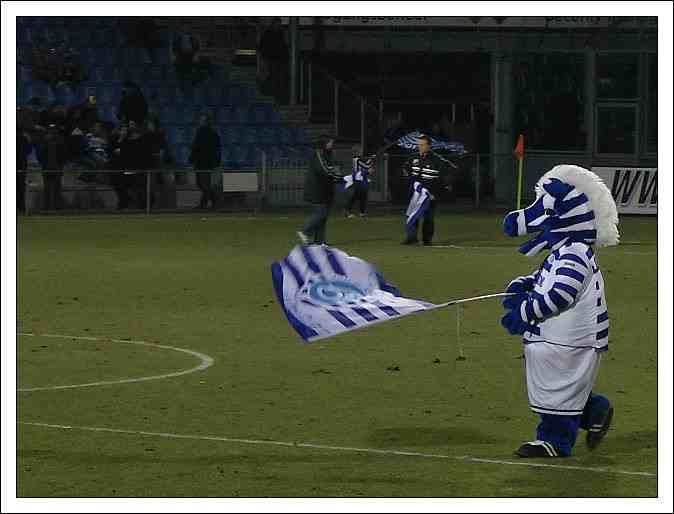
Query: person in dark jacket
(431,171)
(52,155)
(206,156)
(132,106)
(23,148)
(275,55)
(319,190)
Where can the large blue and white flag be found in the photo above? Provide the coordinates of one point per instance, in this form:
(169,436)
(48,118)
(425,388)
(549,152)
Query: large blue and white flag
(410,141)
(419,203)
(324,292)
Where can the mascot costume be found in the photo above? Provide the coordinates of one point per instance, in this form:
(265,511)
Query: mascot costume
(560,309)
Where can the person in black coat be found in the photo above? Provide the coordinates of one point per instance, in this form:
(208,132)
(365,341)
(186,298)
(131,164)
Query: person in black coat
(319,190)
(132,106)
(23,147)
(206,156)
(51,152)
(432,172)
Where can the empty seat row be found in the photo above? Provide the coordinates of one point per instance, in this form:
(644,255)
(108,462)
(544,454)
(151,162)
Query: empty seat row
(243,135)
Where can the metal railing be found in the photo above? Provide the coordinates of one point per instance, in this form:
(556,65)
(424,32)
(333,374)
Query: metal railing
(482,179)
(329,100)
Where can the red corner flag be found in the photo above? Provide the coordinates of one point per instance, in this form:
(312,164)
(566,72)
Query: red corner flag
(519,147)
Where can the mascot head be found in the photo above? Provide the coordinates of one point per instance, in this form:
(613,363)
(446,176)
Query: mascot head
(572,205)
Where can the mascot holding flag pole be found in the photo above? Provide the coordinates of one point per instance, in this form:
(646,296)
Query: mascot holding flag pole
(560,309)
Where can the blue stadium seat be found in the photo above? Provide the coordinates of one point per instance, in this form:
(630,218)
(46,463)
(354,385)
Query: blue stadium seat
(24,73)
(224,155)
(170,131)
(212,96)
(254,155)
(266,135)
(241,114)
(108,113)
(238,155)
(110,92)
(185,114)
(23,34)
(230,134)
(23,55)
(22,93)
(224,115)
(182,135)
(135,73)
(40,89)
(184,95)
(248,135)
(301,137)
(167,114)
(182,154)
(284,136)
(258,114)
(64,96)
(154,73)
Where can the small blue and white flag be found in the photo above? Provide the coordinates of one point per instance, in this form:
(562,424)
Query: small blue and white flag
(360,173)
(419,203)
(325,292)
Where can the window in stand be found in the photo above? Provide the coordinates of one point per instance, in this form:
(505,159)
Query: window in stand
(617,76)
(549,100)
(616,128)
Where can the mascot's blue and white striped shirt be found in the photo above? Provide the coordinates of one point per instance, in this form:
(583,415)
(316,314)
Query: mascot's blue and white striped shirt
(563,302)
(567,305)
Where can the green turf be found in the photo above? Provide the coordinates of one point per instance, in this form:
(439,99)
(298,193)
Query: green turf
(203,283)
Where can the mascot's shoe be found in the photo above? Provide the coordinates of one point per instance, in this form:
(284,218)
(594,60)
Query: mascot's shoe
(598,431)
(537,449)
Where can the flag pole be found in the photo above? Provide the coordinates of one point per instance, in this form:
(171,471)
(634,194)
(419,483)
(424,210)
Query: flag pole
(519,153)
(519,183)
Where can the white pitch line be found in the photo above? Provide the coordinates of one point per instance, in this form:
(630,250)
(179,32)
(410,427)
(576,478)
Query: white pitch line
(510,250)
(465,458)
(206,361)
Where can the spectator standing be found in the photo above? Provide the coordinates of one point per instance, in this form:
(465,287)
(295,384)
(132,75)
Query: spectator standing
(52,156)
(132,106)
(23,148)
(275,55)
(185,48)
(363,168)
(206,155)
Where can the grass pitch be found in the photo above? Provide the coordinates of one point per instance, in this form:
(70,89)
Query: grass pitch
(203,283)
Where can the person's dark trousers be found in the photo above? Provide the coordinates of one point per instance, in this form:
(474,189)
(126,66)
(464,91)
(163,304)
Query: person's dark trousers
(359,195)
(21,191)
(317,223)
(428,226)
(52,190)
(207,193)
(121,183)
